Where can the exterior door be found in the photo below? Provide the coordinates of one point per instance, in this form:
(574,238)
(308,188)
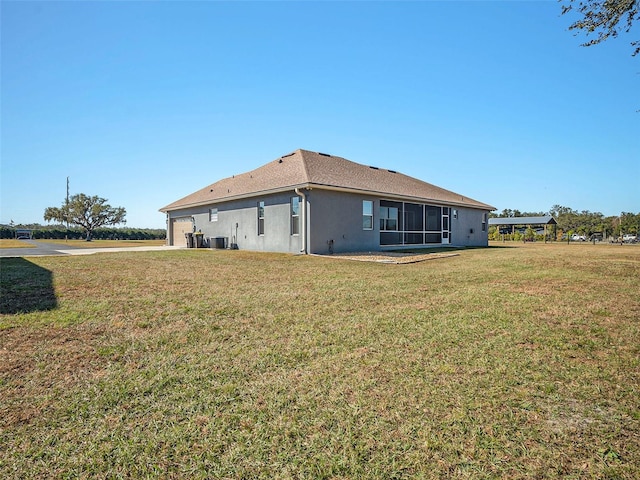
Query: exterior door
(180,226)
(445,226)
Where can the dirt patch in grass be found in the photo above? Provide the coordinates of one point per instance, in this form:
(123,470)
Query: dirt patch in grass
(390,257)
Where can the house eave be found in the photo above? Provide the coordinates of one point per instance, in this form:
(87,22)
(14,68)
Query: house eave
(231,198)
(311,186)
(407,198)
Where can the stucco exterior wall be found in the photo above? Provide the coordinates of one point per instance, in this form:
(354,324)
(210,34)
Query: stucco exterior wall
(337,217)
(334,222)
(466,230)
(238,222)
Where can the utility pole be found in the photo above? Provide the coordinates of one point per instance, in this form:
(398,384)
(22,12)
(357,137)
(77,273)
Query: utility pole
(66,209)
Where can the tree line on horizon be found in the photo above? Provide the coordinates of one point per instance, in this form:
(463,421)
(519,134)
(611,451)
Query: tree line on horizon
(583,222)
(60,232)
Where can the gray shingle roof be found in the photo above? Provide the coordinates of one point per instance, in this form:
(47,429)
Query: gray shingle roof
(546,220)
(303,168)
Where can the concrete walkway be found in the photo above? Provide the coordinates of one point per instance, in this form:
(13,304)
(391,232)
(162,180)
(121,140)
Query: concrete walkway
(39,249)
(90,251)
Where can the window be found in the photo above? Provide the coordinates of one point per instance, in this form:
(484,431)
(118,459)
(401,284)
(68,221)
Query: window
(367,215)
(260,218)
(213,214)
(295,215)
(389,216)
(484,222)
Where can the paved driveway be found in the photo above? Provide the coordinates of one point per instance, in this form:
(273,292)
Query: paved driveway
(43,248)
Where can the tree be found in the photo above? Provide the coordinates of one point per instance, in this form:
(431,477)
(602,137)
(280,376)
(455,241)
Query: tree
(603,17)
(86,212)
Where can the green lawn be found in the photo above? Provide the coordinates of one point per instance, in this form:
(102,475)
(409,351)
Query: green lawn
(516,362)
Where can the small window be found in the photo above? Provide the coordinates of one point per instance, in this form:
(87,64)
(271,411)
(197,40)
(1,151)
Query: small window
(260,218)
(295,215)
(213,214)
(484,222)
(367,215)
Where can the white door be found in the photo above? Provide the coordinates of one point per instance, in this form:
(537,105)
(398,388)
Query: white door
(180,226)
(445,226)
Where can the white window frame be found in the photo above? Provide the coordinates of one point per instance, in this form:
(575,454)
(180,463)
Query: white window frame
(261,218)
(367,216)
(295,216)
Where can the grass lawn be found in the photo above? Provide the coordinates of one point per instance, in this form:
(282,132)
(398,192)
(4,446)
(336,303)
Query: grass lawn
(108,243)
(12,243)
(509,362)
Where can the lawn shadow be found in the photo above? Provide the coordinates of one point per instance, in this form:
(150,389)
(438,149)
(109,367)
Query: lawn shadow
(25,287)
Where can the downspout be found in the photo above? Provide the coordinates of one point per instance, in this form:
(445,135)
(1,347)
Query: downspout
(303,221)
(169,230)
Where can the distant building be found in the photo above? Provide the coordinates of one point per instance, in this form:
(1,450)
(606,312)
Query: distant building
(513,224)
(24,234)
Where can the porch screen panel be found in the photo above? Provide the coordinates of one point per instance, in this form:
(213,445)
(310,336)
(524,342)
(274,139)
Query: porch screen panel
(413,223)
(390,238)
(434,219)
(411,238)
(413,217)
(433,238)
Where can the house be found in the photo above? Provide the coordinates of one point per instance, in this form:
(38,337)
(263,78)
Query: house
(308,202)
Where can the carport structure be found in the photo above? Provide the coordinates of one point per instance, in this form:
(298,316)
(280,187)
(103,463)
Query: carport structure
(514,222)
(24,233)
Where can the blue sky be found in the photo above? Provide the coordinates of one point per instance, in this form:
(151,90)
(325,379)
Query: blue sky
(143,103)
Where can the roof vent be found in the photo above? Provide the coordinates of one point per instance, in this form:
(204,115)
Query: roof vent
(375,168)
(288,155)
(324,154)
(280,161)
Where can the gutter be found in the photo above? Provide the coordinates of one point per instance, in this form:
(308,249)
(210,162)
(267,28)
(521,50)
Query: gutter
(303,221)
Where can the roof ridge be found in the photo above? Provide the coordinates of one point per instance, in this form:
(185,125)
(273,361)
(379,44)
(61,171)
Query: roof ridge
(304,164)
